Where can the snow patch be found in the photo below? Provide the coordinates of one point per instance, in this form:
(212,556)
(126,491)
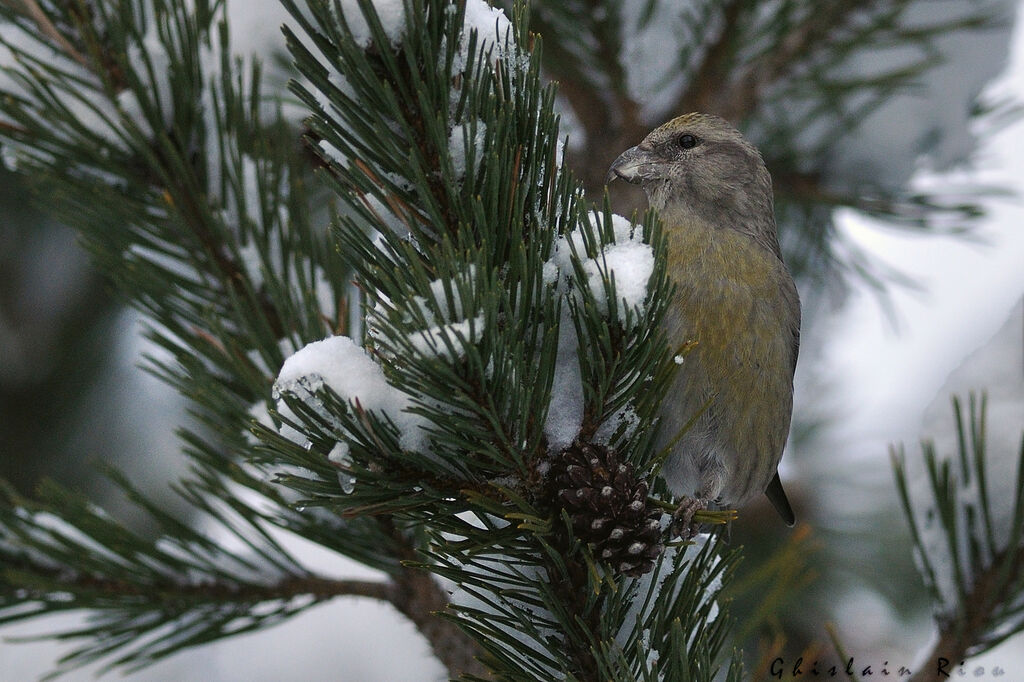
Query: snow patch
(347,369)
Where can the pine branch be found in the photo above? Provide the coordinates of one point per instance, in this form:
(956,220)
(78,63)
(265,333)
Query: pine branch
(89,588)
(421,452)
(969,545)
(463,322)
(992,590)
(418,596)
(952,210)
(148,598)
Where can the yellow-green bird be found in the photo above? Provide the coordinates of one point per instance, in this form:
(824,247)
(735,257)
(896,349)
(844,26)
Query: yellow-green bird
(735,298)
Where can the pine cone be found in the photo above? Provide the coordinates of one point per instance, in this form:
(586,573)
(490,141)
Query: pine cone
(608,507)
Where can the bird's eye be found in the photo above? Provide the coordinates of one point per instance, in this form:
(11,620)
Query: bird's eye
(688,141)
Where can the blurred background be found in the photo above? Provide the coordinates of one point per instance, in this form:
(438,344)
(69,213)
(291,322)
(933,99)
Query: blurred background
(906,303)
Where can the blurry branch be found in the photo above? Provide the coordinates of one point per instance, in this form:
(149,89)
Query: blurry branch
(916,209)
(969,545)
(33,11)
(598,104)
(795,46)
(772,584)
(112,590)
(11,129)
(841,651)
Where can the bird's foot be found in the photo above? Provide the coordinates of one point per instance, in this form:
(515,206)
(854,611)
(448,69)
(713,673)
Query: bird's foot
(683,525)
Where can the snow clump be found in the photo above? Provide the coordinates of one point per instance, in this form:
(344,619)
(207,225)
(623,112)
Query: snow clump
(347,369)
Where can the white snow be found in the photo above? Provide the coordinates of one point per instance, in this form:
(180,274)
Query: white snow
(628,261)
(565,410)
(629,265)
(448,339)
(347,369)
(1000,362)
(492,26)
(997,368)
(391,14)
(465,137)
(339,454)
(8,157)
(625,418)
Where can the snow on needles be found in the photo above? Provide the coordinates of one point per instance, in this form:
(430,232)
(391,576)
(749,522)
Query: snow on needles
(491,25)
(347,369)
(391,14)
(627,261)
(443,323)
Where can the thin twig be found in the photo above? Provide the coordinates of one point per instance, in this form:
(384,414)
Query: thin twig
(12,128)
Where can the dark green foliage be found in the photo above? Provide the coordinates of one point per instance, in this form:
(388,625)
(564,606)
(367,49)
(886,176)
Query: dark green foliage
(157,182)
(434,247)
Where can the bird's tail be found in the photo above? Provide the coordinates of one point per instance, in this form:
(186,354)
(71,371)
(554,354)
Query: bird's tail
(777,496)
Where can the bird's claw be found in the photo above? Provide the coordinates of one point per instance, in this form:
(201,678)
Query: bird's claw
(683,525)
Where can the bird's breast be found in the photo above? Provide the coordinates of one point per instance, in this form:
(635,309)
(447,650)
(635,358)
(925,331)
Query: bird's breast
(728,289)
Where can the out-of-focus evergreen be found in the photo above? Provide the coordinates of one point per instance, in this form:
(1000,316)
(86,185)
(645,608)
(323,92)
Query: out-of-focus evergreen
(57,321)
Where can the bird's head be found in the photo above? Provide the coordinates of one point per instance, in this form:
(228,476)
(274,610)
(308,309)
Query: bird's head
(702,165)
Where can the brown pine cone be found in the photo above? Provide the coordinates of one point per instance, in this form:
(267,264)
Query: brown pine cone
(608,507)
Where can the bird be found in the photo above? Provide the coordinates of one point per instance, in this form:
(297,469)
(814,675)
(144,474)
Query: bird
(726,415)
